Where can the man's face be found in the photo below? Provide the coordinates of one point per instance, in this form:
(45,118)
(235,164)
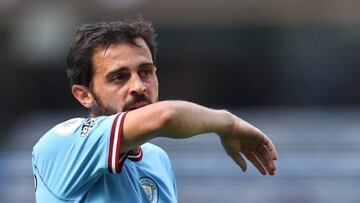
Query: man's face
(124,78)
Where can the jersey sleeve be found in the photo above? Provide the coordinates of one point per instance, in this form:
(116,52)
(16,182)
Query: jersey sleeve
(73,155)
(115,159)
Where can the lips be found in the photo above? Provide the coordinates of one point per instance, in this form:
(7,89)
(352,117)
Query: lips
(137,105)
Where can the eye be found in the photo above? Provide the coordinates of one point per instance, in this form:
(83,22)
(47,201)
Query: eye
(147,71)
(120,77)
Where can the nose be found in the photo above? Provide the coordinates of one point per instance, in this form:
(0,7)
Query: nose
(137,85)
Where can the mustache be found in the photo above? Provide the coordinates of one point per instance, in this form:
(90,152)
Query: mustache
(136,98)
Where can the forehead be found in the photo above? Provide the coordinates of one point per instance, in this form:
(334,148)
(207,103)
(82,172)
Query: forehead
(123,54)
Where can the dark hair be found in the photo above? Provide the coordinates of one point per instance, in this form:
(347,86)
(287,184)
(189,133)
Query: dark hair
(91,36)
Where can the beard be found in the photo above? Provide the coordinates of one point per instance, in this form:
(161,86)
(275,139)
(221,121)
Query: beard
(100,109)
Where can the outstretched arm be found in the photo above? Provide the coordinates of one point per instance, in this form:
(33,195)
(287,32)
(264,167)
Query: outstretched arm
(180,119)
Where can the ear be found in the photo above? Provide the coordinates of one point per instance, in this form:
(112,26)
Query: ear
(83,95)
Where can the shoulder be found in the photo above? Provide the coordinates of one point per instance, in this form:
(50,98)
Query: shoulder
(67,127)
(65,131)
(80,125)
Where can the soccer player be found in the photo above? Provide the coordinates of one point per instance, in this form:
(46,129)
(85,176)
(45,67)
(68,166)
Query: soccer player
(107,157)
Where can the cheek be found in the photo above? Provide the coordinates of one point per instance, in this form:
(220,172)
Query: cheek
(154,90)
(119,97)
(112,97)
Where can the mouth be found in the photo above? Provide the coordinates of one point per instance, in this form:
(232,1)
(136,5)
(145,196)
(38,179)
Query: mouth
(137,105)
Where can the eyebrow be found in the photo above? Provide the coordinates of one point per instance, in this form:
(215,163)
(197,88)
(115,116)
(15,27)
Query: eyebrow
(145,64)
(124,68)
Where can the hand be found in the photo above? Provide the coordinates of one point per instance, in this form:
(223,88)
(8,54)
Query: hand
(245,139)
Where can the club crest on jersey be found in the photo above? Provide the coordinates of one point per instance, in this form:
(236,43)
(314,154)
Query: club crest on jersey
(87,126)
(150,189)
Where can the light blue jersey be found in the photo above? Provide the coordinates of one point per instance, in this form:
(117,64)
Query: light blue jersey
(80,161)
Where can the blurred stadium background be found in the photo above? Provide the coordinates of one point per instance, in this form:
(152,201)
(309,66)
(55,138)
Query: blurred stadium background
(289,67)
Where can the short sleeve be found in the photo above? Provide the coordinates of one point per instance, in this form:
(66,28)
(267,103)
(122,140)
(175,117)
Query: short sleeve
(71,158)
(115,159)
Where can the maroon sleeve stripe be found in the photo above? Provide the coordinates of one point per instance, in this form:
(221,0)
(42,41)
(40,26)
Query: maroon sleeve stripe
(112,142)
(115,144)
(136,157)
(118,164)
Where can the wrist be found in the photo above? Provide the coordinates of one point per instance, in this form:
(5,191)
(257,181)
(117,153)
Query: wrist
(227,124)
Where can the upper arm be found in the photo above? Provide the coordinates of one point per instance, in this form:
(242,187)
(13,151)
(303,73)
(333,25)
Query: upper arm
(145,123)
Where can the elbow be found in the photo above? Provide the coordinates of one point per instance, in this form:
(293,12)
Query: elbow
(167,119)
(167,116)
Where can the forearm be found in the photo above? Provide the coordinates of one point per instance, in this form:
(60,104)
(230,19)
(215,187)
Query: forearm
(189,119)
(173,119)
